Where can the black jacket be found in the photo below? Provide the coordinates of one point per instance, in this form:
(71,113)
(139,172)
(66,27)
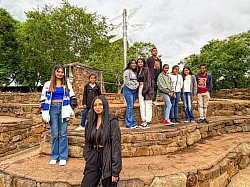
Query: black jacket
(150,64)
(148,88)
(112,160)
(90,93)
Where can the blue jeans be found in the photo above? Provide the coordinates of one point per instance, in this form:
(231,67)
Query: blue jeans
(130,97)
(84,116)
(175,104)
(167,106)
(187,106)
(59,134)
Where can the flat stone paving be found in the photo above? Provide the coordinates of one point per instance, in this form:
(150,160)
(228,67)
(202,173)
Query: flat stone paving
(200,156)
(241,179)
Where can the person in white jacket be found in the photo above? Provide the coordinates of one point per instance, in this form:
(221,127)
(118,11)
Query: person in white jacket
(177,82)
(55,103)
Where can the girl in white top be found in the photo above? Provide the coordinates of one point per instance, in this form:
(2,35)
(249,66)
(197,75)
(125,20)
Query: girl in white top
(177,82)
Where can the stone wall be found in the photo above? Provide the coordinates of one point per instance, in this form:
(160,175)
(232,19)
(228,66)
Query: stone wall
(18,135)
(159,141)
(236,93)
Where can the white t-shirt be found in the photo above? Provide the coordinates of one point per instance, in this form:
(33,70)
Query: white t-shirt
(187,84)
(177,87)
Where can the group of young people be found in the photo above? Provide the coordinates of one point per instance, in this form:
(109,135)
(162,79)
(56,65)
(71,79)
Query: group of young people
(144,79)
(102,151)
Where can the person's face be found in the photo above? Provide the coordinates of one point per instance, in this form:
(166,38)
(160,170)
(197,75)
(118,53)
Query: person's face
(140,63)
(186,71)
(154,52)
(203,69)
(133,65)
(165,69)
(98,106)
(92,79)
(59,73)
(176,71)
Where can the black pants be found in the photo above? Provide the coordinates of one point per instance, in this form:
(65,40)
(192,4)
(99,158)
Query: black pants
(93,171)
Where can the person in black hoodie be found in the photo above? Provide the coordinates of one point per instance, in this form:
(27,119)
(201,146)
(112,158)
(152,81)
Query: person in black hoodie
(102,151)
(91,90)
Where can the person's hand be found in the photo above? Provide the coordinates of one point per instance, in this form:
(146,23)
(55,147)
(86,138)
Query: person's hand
(84,106)
(115,179)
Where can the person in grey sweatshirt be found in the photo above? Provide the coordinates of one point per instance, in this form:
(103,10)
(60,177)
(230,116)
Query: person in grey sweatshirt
(165,87)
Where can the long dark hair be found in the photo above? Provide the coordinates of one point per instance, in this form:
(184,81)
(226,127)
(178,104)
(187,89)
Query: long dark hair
(105,127)
(144,64)
(53,78)
(129,63)
(190,72)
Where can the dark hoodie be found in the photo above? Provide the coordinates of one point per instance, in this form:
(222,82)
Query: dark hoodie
(90,93)
(112,160)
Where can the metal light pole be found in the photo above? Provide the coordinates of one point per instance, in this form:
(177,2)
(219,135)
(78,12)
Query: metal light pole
(124,15)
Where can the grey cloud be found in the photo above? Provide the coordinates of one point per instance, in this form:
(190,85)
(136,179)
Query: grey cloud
(178,27)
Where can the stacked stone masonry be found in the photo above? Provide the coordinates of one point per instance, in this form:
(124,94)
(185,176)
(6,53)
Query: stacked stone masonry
(236,93)
(159,140)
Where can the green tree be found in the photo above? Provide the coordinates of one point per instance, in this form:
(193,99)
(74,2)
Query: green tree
(227,60)
(9,58)
(55,35)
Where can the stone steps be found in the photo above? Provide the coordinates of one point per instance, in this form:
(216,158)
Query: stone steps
(209,163)
(222,107)
(17,134)
(160,139)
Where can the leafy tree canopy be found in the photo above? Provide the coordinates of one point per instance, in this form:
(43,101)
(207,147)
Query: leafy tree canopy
(227,60)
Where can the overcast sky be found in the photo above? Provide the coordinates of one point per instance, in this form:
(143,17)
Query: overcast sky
(177,27)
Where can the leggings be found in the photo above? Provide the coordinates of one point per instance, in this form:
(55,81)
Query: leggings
(93,171)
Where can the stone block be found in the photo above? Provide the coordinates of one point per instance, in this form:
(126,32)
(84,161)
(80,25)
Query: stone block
(37,129)
(192,180)
(223,165)
(158,150)
(5,180)
(246,128)
(244,162)
(244,149)
(178,180)
(232,168)
(220,181)
(239,121)
(5,137)
(142,151)
(193,137)
(139,137)
(75,151)
(204,175)
(20,182)
(127,138)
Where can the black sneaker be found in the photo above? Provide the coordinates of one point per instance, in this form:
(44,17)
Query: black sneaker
(177,120)
(172,120)
(200,121)
(205,120)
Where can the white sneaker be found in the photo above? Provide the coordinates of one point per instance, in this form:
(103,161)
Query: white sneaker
(186,121)
(52,162)
(62,162)
(80,128)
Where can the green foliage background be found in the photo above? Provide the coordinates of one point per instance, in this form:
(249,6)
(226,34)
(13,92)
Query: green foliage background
(227,60)
(66,34)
